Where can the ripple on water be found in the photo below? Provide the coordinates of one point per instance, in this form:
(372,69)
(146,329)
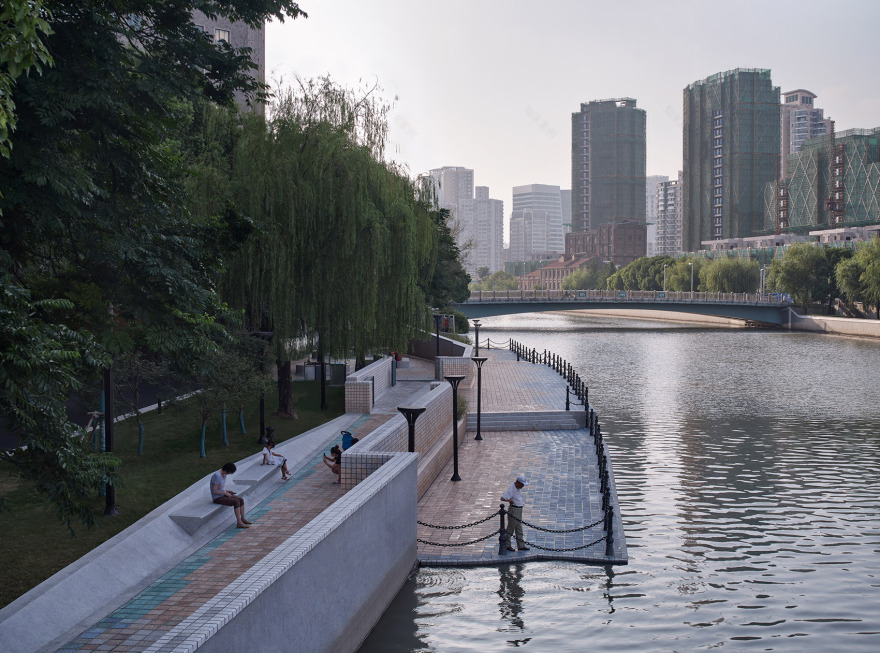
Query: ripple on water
(749,493)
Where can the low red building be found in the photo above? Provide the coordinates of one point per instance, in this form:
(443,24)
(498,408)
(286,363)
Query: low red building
(551,276)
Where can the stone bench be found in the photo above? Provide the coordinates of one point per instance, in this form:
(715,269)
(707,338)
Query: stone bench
(193,515)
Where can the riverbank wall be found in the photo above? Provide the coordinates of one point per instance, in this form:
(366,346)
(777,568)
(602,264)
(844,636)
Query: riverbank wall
(825,324)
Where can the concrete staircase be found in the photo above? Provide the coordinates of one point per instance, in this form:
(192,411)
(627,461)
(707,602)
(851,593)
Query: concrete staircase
(545,420)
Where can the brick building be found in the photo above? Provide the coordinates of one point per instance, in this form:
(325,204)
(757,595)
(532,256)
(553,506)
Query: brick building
(618,242)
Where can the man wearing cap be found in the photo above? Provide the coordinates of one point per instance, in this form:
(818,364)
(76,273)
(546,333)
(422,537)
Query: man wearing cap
(513,496)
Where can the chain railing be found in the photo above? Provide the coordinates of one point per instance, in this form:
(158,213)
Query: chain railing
(565,369)
(502,344)
(606,521)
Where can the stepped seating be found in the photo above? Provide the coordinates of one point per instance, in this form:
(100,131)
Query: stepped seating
(191,516)
(547,420)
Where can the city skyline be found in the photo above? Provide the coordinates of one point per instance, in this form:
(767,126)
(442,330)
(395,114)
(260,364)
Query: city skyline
(468,95)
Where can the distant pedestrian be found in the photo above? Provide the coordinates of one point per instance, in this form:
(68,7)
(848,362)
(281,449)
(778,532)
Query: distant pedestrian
(513,496)
(225,497)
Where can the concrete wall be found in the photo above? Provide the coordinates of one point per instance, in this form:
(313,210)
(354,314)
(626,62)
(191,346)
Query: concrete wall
(433,448)
(293,599)
(842,326)
(365,384)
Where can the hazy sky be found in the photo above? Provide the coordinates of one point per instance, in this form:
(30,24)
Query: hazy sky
(491,84)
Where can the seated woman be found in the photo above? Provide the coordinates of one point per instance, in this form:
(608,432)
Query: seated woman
(272,458)
(335,463)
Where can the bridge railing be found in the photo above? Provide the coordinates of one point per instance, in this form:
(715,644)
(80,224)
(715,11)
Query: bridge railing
(612,296)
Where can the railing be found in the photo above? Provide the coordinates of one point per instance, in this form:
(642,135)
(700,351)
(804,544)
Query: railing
(611,296)
(565,369)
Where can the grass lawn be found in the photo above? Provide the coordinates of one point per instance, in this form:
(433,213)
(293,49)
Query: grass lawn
(35,545)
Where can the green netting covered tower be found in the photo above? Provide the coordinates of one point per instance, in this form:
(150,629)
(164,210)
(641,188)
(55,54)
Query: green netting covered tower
(731,152)
(834,182)
(608,159)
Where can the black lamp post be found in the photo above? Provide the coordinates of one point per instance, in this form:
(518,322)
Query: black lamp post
(265,336)
(479,360)
(109,418)
(437,318)
(411,414)
(477,336)
(454,381)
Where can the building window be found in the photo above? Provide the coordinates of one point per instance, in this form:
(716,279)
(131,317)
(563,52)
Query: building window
(221,35)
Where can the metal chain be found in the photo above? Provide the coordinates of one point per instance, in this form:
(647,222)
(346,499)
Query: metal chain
(577,548)
(493,534)
(550,530)
(453,528)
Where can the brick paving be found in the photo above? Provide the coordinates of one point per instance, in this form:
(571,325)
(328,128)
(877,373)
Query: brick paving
(563,493)
(561,465)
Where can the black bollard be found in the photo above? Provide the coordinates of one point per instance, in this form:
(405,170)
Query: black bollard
(567,406)
(502,538)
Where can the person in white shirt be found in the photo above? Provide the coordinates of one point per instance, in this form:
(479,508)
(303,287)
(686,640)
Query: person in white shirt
(272,458)
(513,496)
(225,497)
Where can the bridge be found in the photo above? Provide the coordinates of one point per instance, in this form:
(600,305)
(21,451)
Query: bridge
(767,309)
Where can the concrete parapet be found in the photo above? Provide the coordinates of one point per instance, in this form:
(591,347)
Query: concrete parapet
(433,448)
(287,601)
(362,387)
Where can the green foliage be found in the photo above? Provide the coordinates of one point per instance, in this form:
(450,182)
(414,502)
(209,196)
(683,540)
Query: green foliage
(462,406)
(645,273)
(859,277)
(23,23)
(803,272)
(93,210)
(594,276)
(730,275)
(443,277)
(483,273)
(499,280)
(42,361)
(341,237)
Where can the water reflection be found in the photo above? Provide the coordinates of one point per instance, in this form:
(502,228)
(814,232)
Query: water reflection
(748,470)
(511,595)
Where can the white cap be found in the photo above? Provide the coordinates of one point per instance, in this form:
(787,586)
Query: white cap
(522,480)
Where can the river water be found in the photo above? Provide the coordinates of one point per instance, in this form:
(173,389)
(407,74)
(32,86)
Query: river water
(748,471)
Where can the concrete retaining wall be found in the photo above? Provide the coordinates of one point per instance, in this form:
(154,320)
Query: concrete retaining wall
(841,326)
(293,599)
(362,386)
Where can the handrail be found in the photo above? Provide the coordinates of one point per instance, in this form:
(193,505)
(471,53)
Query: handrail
(611,296)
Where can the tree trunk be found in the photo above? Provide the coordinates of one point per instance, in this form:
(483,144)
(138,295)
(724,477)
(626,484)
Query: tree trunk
(285,391)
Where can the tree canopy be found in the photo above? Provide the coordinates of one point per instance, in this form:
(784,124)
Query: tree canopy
(93,216)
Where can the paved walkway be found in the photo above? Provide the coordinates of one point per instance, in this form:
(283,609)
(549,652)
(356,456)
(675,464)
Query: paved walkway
(561,465)
(563,493)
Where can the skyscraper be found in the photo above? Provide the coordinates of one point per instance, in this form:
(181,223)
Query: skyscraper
(651,184)
(667,199)
(543,204)
(731,151)
(607,164)
(476,221)
(801,120)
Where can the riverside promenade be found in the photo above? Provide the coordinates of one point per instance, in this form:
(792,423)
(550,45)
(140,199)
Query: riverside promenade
(184,608)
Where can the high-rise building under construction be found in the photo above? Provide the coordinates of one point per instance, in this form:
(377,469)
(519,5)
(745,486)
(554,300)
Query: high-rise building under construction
(607,164)
(731,151)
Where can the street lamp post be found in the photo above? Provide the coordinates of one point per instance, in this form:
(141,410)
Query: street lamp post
(109,418)
(479,360)
(763,272)
(664,276)
(437,318)
(454,381)
(477,336)
(692,278)
(411,414)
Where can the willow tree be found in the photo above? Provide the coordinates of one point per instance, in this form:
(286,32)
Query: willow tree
(342,234)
